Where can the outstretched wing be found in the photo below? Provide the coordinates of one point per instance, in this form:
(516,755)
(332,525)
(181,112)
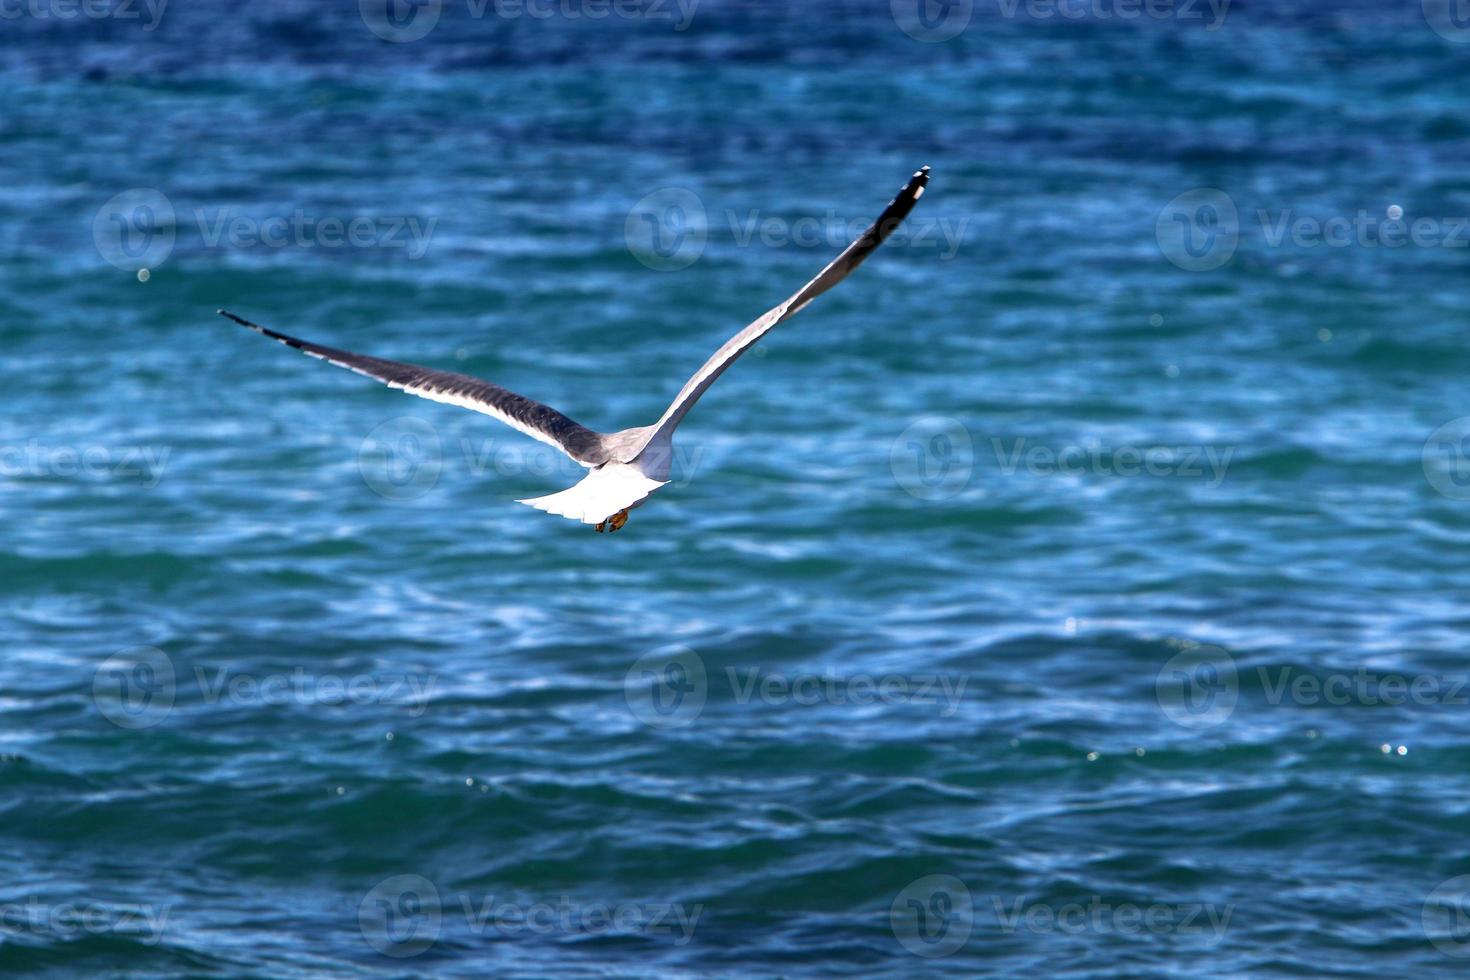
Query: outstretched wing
(520,413)
(835,272)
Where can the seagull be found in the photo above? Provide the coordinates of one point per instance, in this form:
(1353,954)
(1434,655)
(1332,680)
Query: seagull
(628,466)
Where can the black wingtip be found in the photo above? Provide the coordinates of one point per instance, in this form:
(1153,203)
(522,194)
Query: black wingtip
(240,320)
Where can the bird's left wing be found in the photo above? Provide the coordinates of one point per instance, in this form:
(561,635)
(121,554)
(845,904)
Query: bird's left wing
(836,271)
(517,411)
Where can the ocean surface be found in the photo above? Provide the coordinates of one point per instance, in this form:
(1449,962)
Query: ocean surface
(1079,590)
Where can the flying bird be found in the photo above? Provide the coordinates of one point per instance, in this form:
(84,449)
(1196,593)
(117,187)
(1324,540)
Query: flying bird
(628,466)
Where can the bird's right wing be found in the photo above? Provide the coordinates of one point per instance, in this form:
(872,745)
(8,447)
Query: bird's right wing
(520,413)
(836,271)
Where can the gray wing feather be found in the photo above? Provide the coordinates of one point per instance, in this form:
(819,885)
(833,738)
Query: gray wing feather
(519,412)
(836,271)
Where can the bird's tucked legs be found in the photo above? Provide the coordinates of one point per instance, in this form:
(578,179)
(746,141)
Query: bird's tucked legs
(613,523)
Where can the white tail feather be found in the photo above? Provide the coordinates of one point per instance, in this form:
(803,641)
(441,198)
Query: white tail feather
(606,491)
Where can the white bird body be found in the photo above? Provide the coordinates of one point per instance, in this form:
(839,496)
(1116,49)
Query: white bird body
(628,466)
(613,488)
(606,491)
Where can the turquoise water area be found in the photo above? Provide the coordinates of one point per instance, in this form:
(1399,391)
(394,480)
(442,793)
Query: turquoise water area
(1078,590)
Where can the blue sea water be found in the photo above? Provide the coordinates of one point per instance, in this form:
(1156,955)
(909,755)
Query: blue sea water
(1078,590)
